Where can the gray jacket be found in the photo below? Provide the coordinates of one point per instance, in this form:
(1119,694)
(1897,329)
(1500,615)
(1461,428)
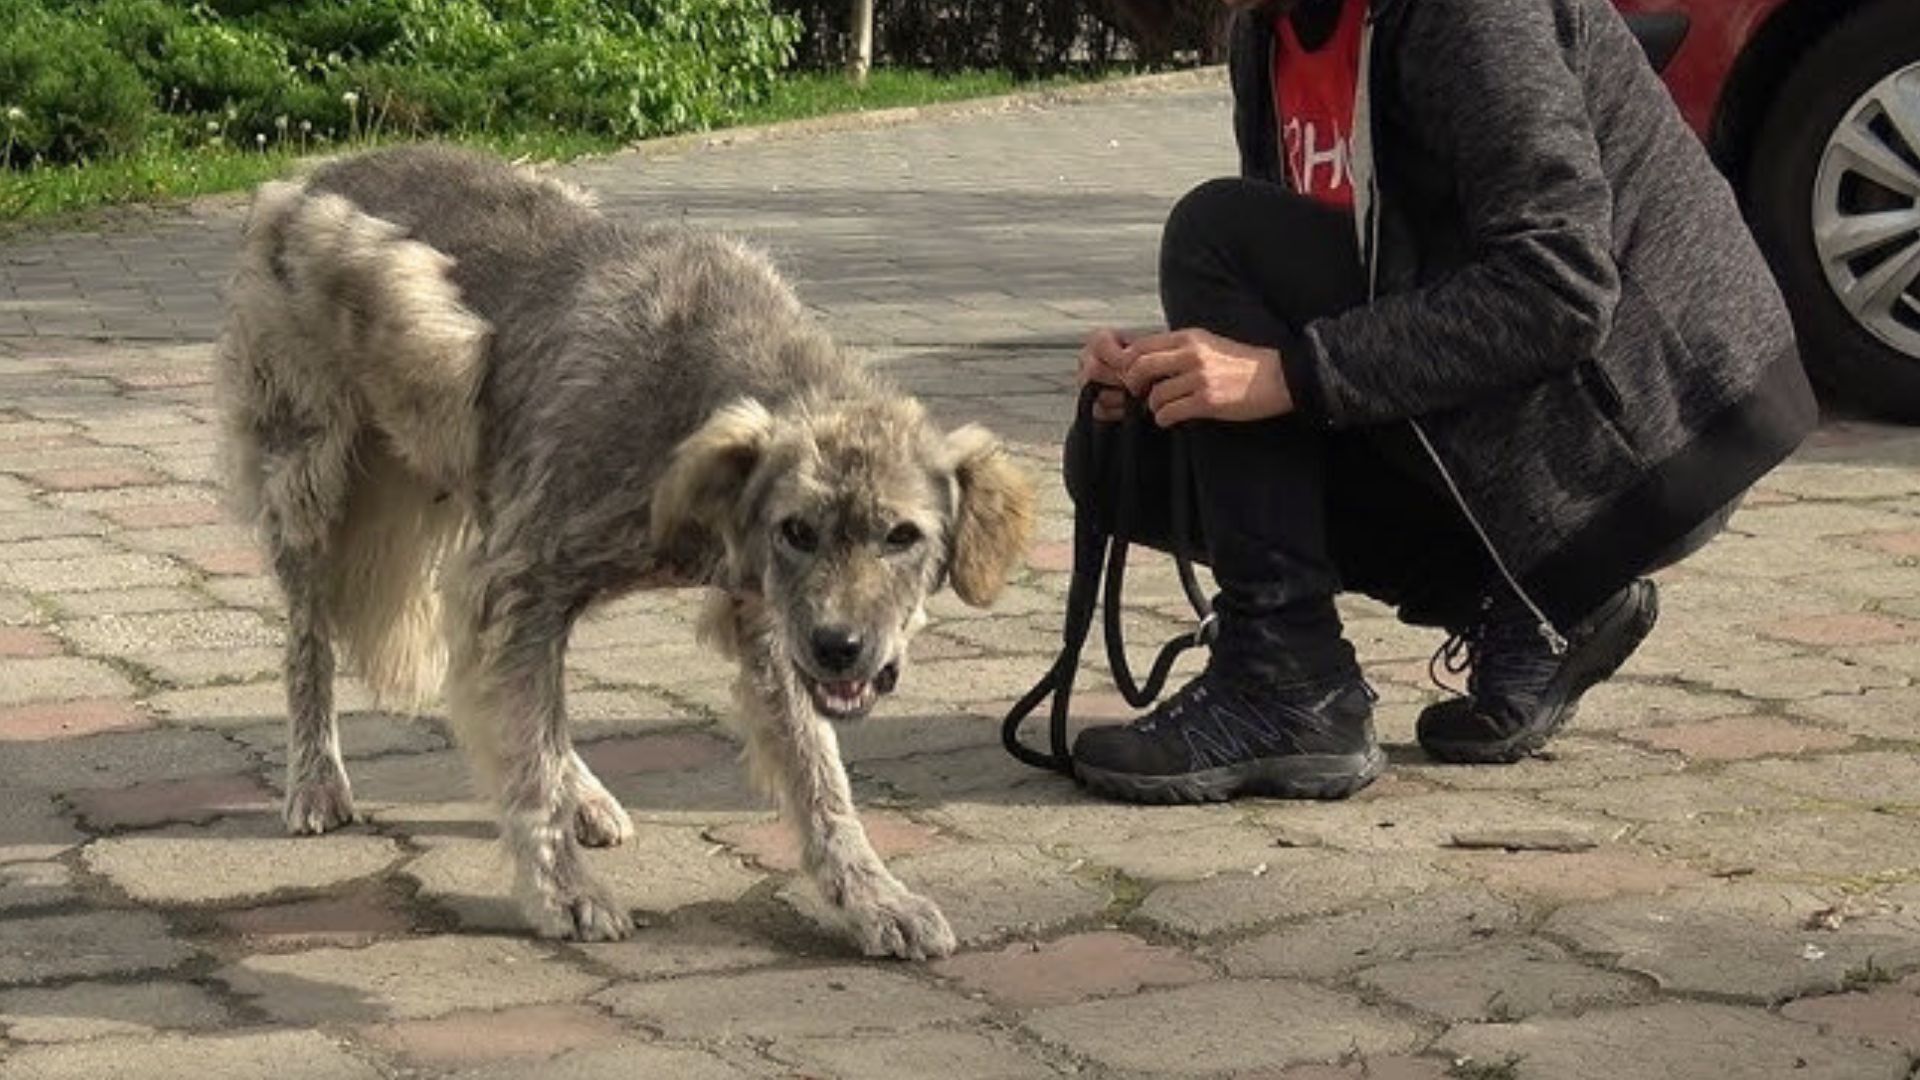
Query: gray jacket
(1566,301)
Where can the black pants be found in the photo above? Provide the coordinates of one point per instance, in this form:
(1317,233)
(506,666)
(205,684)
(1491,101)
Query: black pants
(1292,514)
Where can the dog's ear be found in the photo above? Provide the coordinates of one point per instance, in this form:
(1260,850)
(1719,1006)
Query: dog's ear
(995,517)
(697,494)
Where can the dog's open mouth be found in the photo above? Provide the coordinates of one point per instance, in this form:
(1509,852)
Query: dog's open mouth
(851,699)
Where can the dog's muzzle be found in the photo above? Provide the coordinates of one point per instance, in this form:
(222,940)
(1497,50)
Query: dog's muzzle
(851,699)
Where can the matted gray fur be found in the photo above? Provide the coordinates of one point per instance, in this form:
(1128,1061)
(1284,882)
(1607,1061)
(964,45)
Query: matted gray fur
(462,406)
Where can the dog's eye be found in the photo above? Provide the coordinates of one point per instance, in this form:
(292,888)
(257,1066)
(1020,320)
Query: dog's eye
(903,536)
(799,535)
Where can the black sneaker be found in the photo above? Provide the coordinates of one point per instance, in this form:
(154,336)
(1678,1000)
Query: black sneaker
(1518,692)
(1212,740)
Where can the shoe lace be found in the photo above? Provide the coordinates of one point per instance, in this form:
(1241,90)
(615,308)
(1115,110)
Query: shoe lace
(1497,651)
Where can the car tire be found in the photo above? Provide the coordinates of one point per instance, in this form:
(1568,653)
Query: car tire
(1805,192)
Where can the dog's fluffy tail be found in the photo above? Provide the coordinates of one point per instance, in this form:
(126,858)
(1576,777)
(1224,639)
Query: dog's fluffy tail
(350,370)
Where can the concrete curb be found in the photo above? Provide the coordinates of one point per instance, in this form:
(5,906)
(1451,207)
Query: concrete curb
(869,120)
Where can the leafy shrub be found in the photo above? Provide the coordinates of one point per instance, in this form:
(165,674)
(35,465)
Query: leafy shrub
(1030,37)
(247,70)
(64,93)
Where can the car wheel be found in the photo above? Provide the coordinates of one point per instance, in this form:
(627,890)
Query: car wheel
(1834,192)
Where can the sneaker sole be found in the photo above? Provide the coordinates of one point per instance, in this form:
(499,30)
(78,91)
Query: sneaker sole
(1633,624)
(1301,776)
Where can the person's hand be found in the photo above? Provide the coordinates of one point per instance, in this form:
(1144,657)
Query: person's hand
(1100,360)
(1196,375)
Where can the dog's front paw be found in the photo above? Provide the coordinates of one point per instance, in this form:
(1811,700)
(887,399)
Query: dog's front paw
(599,820)
(583,912)
(319,803)
(895,922)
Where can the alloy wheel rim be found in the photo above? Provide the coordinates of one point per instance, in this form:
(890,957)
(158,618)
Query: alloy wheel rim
(1866,210)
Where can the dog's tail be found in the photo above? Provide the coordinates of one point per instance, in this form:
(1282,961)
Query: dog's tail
(350,371)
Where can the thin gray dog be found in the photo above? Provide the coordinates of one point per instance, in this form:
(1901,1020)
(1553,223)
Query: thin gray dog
(462,406)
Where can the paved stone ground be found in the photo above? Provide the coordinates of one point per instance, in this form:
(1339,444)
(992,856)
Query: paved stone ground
(1716,874)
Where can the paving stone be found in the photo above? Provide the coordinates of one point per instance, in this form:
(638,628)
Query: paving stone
(1754,941)
(405,980)
(118,757)
(1186,854)
(122,635)
(662,868)
(655,753)
(1202,1029)
(669,949)
(1501,981)
(1844,628)
(1672,798)
(597,714)
(363,735)
(232,860)
(1444,919)
(522,1033)
(715,795)
(629,1059)
(1886,1016)
(1296,883)
(1735,738)
(1073,968)
(1569,761)
(1553,877)
(1061,816)
(973,1054)
(58,678)
(285,1055)
(34,884)
(69,719)
(139,601)
(245,704)
(1379,1068)
(1876,714)
(195,799)
(1826,482)
(1670,1039)
(31,522)
(1795,678)
(824,1001)
(95,943)
(32,827)
(1799,844)
(57,576)
(1881,778)
(20,642)
(390,787)
(82,1011)
(360,917)
(1426,822)
(773,846)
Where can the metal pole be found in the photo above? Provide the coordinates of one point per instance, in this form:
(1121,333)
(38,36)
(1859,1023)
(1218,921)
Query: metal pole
(861,59)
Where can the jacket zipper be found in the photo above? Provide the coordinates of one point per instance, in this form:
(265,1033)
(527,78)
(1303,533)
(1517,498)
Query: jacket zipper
(1368,227)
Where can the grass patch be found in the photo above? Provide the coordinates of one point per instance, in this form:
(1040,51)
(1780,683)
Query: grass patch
(172,172)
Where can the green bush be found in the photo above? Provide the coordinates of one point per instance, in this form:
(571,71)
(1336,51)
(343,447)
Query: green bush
(246,71)
(65,94)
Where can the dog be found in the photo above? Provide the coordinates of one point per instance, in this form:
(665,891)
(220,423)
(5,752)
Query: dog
(461,406)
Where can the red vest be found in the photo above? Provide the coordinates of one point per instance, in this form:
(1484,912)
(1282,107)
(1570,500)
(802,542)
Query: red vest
(1313,93)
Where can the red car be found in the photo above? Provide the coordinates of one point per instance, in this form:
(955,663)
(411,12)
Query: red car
(1812,109)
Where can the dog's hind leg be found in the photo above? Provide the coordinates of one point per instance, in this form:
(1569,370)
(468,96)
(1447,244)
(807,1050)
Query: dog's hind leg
(795,756)
(505,696)
(319,796)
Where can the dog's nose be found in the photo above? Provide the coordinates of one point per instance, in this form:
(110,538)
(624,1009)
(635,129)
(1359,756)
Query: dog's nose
(836,648)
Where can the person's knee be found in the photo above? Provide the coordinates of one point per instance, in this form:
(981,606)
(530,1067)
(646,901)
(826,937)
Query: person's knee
(1197,221)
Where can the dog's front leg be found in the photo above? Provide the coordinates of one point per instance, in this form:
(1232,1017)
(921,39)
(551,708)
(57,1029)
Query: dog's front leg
(795,755)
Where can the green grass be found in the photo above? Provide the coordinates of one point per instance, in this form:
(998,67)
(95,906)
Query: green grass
(171,172)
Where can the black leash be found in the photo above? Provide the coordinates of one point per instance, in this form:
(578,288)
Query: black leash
(1098,553)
